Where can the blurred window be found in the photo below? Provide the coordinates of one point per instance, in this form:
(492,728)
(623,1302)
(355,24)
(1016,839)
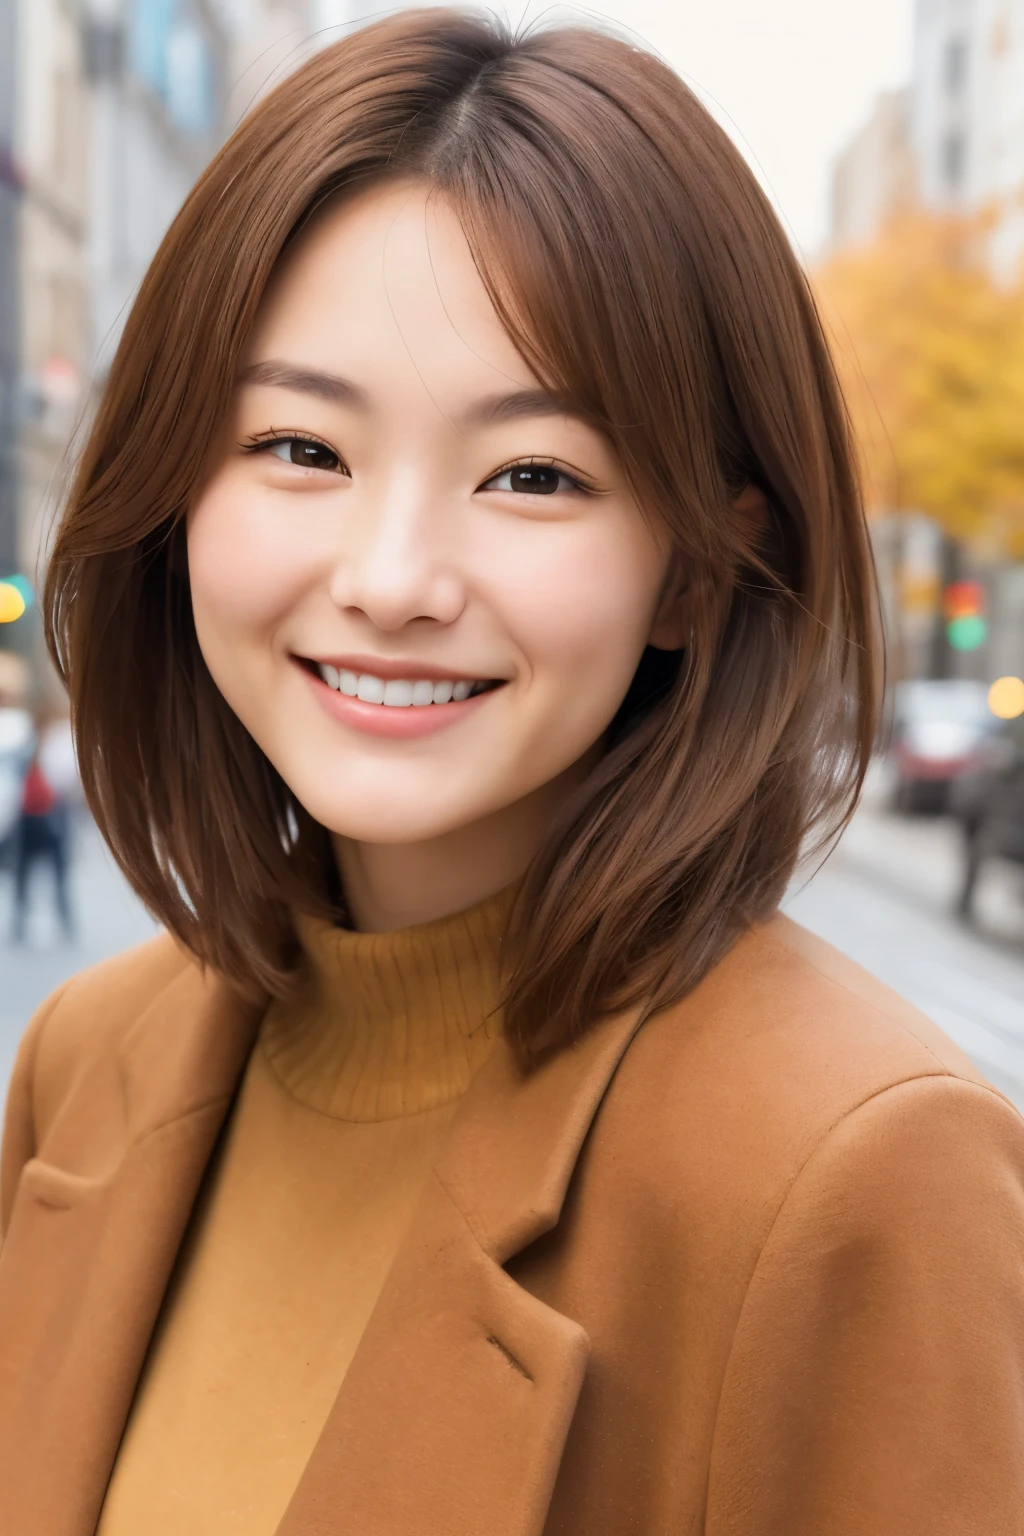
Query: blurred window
(152,21)
(190,80)
(956,65)
(103,43)
(954,159)
(171,54)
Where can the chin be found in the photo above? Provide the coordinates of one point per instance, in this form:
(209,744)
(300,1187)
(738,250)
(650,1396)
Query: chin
(391,818)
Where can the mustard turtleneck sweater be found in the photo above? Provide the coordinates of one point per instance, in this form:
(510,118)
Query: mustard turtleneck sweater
(348,1095)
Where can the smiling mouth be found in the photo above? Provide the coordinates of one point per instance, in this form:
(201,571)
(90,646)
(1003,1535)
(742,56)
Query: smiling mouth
(399,692)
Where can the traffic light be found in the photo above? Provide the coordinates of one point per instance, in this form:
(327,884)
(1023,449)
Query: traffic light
(963,607)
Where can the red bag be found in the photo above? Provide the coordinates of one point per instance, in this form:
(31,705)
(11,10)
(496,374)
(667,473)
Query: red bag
(37,798)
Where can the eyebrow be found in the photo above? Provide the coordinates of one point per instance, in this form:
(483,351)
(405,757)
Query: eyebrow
(305,381)
(522,402)
(487,411)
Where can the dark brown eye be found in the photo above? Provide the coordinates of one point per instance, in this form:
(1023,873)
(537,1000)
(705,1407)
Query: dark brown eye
(306,453)
(532,480)
(536,479)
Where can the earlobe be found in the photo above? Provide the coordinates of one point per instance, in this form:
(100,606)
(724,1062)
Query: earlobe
(671,628)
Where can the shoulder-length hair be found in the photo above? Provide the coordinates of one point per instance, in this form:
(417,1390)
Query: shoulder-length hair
(638,267)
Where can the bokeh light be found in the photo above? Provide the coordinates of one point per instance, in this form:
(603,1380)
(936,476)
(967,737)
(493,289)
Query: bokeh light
(1006,697)
(12,602)
(21,584)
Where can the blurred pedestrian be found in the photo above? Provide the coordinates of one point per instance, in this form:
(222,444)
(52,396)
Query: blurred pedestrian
(16,740)
(42,836)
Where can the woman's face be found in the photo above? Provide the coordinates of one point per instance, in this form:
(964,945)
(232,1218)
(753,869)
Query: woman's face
(420,583)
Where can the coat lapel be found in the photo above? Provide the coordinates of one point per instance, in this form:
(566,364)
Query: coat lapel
(454,1412)
(453,1415)
(89,1249)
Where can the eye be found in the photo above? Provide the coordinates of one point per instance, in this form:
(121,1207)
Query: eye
(532,480)
(305,452)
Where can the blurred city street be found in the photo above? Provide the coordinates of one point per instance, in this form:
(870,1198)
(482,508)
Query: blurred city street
(108,918)
(885,897)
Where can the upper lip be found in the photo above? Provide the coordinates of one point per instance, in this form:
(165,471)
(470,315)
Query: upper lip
(392,668)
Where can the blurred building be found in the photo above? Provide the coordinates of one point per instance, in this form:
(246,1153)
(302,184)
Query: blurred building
(968,114)
(954,139)
(10,329)
(269,38)
(876,175)
(53,161)
(159,75)
(170,79)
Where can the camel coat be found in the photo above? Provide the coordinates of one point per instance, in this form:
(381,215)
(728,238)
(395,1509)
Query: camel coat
(756,1269)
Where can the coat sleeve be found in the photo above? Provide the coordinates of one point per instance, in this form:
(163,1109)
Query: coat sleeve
(19,1134)
(876,1379)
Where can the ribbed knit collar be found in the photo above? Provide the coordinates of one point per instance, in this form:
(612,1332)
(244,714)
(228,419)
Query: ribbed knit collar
(390,1024)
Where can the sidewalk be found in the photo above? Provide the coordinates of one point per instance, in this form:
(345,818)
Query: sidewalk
(887,898)
(922,857)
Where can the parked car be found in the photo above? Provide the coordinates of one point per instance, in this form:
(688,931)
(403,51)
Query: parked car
(989,804)
(939,730)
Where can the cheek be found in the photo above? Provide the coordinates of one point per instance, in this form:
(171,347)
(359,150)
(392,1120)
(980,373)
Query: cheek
(245,569)
(581,606)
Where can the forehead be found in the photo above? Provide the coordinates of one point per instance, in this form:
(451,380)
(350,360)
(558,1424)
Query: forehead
(384,277)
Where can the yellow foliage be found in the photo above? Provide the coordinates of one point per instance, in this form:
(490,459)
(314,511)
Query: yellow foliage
(930,352)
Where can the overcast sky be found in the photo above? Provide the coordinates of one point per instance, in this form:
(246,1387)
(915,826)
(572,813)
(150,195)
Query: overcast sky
(791,79)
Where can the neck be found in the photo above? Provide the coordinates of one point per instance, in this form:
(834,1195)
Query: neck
(398,885)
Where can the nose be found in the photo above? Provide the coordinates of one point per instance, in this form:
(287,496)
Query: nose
(400,565)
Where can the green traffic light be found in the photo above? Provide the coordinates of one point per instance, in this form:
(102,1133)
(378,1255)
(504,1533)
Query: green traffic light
(967,632)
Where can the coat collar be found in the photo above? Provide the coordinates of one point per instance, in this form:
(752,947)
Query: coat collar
(454,1411)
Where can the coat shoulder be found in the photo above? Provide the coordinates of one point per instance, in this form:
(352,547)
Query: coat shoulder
(787,1020)
(122,1048)
(724,1097)
(98,1006)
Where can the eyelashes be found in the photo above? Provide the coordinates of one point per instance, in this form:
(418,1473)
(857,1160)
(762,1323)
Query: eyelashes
(299,448)
(531,476)
(536,477)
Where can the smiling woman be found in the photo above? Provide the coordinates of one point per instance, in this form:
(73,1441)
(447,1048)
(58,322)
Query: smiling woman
(462,529)
(468,616)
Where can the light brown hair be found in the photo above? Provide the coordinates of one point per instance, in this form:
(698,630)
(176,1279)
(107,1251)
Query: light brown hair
(638,267)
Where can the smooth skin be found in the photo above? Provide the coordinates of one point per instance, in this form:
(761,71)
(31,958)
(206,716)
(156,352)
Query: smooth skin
(397,490)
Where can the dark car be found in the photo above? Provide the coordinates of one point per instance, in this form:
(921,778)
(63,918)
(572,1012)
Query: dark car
(938,736)
(989,804)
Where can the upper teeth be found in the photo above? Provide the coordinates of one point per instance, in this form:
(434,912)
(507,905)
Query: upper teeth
(398,692)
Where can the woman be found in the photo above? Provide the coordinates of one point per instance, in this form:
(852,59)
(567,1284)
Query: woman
(467,611)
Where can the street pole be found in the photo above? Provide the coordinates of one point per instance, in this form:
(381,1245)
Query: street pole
(10,328)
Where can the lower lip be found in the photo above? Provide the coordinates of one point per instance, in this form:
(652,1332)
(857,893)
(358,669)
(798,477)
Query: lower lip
(395,722)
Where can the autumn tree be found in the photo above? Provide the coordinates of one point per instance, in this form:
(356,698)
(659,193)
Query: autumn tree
(930,350)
